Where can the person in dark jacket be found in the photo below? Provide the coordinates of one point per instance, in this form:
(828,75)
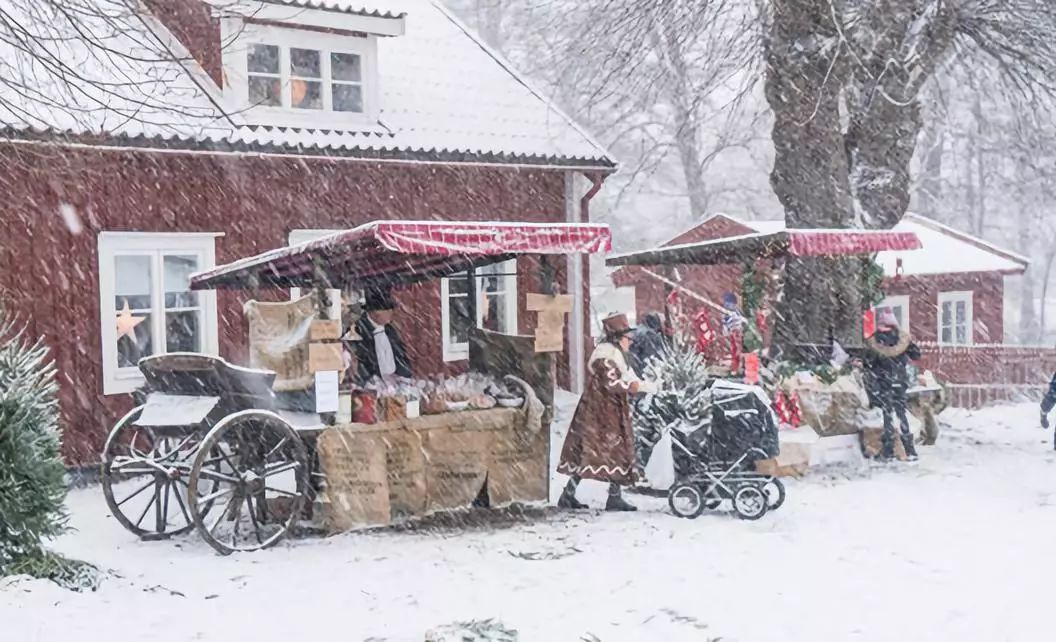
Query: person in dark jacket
(380,352)
(648,343)
(1047,404)
(887,380)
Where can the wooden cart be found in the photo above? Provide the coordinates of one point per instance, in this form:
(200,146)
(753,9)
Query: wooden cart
(207,450)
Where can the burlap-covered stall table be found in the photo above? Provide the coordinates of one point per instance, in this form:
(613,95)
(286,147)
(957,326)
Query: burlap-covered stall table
(382,472)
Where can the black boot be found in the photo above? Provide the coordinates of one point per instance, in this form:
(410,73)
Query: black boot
(568,499)
(887,450)
(617,502)
(911,450)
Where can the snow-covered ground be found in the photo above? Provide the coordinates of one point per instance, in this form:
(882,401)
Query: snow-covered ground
(958,547)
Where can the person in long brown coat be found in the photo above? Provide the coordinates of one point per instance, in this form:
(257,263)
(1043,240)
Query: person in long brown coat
(600,440)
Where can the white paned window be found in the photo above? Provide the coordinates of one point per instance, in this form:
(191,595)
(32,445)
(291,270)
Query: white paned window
(955,318)
(497,289)
(303,236)
(302,78)
(146,305)
(899,306)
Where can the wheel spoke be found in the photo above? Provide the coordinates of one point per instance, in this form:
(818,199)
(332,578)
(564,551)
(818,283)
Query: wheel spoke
(146,509)
(217,476)
(237,518)
(148,485)
(253,518)
(179,500)
(284,493)
(279,445)
(161,508)
(220,517)
(214,496)
(280,467)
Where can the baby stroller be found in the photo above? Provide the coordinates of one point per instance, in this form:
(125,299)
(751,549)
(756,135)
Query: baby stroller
(716,460)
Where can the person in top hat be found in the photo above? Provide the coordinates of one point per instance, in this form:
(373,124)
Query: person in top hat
(887,380)
(600,440)
(380,352)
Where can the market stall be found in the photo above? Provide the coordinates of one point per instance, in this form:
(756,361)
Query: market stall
(403,447)
(827,401)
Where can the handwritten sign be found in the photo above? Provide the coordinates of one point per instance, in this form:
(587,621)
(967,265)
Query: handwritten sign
(551,311)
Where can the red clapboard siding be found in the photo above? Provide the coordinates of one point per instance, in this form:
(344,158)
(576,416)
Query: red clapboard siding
(50,274)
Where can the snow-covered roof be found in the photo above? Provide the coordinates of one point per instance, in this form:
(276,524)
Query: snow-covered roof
(945,250)
(444,94)
(374,8)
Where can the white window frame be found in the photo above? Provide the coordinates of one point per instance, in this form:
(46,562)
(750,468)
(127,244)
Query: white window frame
(897,301)
(460,351)
(304,235)
(117,380)
(966,296)
(243,35)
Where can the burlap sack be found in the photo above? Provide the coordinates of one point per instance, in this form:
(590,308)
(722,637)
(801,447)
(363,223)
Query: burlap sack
(279,335)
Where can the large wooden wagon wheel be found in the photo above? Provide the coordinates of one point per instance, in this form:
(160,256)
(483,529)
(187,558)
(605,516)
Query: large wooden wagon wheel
(264,485)
(146,475)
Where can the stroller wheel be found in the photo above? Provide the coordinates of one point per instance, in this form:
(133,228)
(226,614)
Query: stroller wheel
(775,494)
(750,502)
(686,501)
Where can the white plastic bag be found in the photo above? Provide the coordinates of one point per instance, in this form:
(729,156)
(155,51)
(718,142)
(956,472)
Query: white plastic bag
(660,469)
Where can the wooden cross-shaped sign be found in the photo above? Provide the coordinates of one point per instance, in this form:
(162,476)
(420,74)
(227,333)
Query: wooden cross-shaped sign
(550,329)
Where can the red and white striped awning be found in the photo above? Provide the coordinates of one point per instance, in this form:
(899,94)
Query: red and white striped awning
(401,252)
(738,249)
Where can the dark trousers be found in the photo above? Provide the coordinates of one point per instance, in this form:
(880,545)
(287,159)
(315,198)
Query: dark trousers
(892,403)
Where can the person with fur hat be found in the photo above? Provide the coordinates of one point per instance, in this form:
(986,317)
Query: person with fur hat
(887,379)
(600,440)
(379,351)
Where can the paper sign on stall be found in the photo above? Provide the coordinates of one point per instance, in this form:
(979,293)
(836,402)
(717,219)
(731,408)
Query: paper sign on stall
(326,391)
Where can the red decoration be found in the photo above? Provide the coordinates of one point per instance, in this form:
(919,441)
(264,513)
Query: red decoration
(703,330)
(787,408)
(751,368)
(868,323)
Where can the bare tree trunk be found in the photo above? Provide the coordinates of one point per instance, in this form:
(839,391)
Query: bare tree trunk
(687,134)
(930,185)
(806,70)
(979,219)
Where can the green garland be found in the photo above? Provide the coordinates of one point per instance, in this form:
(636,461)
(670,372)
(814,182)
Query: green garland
(873,284)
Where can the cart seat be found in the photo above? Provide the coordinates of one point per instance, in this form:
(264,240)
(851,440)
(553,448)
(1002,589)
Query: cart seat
(188,373)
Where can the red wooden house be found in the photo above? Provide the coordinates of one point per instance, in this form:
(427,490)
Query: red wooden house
(237,127)
(949,295)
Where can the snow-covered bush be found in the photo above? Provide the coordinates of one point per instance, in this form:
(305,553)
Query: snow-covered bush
(682,376)
(32,485)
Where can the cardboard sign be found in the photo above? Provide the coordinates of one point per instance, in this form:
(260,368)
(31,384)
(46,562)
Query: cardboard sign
(405,465)
(517,467)
(549,331)
(325,356)
(457,467)
(540,302)
(357,491)
(325,330)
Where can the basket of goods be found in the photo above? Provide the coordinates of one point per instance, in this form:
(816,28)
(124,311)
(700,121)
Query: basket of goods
(393,408)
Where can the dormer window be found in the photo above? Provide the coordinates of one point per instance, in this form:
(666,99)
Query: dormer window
(303,67)
(299,78)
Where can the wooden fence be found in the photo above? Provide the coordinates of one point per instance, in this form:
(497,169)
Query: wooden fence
(981,375)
